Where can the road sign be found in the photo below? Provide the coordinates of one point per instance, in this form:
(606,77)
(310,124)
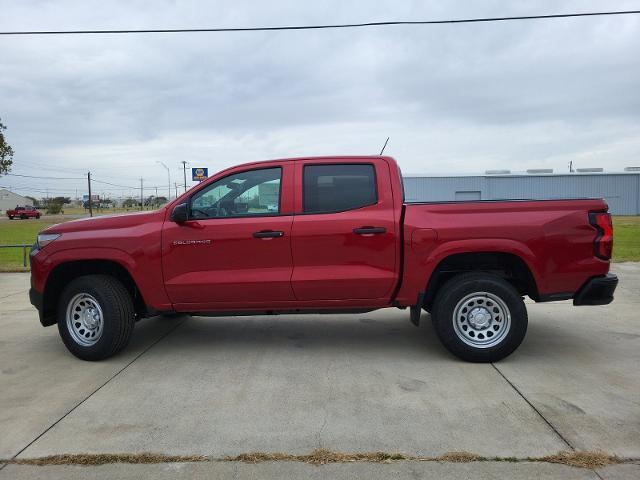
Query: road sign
(199,174)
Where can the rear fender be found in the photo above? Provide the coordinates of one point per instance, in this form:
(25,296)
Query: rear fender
(418,269)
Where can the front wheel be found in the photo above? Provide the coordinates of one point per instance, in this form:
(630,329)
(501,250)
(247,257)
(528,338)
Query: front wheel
(480,317)
(10,217)
(95,317)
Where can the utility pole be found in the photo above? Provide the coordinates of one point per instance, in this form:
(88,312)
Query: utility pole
(571,166)
(141,194)
(90,200)
(176,184)
(184,170)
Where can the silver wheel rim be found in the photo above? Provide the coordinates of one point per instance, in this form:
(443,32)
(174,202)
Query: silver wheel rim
(481,320)
(85,320)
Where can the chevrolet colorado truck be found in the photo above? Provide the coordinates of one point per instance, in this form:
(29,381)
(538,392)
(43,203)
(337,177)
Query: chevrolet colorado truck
(329,234)
(23,213)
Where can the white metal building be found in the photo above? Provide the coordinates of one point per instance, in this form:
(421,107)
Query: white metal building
(9,200)
(621,190)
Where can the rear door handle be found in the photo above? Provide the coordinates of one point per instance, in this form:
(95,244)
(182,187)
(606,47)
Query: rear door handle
(268,234)
(369,230)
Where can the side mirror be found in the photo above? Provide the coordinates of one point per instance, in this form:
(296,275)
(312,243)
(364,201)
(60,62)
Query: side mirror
(180,213)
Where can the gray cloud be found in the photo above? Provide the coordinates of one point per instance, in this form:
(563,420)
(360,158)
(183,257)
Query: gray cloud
(453,98)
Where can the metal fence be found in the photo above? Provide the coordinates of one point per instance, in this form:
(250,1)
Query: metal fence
(24,247)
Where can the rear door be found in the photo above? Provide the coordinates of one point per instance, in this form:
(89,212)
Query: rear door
(344,236)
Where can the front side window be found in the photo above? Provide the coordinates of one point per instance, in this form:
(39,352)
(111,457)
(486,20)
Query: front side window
(338,187)
(251,193)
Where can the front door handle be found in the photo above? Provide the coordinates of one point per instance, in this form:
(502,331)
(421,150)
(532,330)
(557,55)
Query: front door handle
(369,230)
(268,234)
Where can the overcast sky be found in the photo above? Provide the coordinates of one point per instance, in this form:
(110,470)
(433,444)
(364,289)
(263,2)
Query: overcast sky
(453,98)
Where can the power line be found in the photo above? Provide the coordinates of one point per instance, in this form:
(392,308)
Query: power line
(32,165)
(113,184)
(80,178)
(319,27)
(125,186)
(43,178)
(13,186)
(30,189)
(22,186)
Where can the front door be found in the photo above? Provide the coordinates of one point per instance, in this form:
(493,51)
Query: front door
(235,250)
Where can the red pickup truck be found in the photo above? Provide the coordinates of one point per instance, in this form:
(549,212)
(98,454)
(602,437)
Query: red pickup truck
(23,212)
(330,234)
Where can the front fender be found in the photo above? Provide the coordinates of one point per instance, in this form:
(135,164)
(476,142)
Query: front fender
(146,272)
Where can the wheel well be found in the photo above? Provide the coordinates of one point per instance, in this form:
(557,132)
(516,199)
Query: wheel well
(506,265)
(66,272)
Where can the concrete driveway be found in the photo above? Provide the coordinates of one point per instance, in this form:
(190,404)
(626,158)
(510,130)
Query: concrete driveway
(372,382)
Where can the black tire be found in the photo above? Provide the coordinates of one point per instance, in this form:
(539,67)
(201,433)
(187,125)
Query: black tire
(10,217)
(118,316)
(496,298)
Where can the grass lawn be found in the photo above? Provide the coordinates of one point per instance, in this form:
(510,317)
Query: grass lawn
(626,243)
(20,231)
(626,239)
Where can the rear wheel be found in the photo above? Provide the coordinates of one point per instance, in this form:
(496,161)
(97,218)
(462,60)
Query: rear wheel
(95,317)
(480,317)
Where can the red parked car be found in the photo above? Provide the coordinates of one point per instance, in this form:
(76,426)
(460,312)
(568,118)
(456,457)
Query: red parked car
(23,212)
(329,234)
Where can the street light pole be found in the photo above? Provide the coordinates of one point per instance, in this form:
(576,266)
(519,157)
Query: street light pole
(168,178)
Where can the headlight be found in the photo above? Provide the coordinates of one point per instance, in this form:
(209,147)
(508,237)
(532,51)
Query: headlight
(45,239)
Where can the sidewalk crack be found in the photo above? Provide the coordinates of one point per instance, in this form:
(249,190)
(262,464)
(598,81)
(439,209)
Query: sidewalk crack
(555,430)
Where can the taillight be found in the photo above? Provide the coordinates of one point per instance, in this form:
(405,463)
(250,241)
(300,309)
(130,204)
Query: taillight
(603,243)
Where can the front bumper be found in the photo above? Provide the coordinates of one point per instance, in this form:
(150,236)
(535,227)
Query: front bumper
(36,299)
(597,291)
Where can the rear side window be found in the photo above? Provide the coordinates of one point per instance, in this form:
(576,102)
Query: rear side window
(338,187)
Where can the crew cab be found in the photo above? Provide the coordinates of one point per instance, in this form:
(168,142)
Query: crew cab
(322,234)
(23,212)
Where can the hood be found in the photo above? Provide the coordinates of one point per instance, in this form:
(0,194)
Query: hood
(106,222)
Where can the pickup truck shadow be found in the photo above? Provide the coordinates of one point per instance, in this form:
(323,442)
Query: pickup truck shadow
(380,334)
(390,335)
(307,333)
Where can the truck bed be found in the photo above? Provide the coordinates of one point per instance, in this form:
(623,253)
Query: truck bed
(553,237)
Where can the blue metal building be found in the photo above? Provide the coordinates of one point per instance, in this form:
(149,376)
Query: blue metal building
(620,190)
